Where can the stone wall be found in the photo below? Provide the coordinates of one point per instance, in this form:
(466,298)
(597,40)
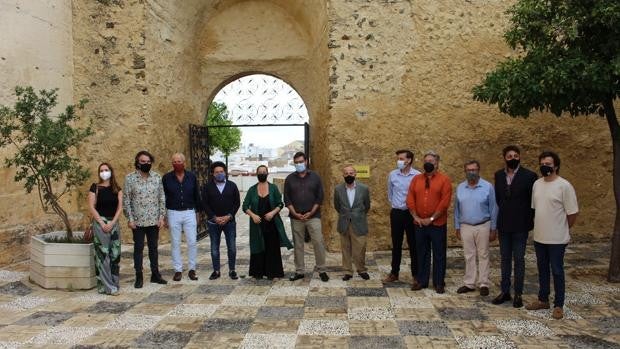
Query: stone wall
(36,49)
(376,76)
(401,77)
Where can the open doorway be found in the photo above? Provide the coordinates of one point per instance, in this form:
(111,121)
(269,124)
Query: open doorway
(254,120)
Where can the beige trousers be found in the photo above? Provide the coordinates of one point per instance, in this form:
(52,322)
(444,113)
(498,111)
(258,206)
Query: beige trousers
(299,230)
(353,251)
(476,243)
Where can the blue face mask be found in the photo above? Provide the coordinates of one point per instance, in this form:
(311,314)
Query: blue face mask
(300,167)
(220,177)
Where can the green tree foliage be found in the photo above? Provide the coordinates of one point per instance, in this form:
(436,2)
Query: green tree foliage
(43,147)
(225,139)
(568,62)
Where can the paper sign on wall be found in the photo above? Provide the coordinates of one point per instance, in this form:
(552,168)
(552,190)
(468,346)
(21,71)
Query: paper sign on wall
(363,171)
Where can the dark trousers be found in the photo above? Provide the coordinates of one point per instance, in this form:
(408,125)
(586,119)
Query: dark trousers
(215,235)
(512,246)
(152,237)
(551,255)
(431,238)
(401,222)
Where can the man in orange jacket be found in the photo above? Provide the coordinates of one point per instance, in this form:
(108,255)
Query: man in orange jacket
(428,200)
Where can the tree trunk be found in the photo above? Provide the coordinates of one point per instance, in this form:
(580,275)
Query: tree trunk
(614,262)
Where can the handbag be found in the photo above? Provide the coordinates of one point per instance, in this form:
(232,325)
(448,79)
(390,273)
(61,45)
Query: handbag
(88,232)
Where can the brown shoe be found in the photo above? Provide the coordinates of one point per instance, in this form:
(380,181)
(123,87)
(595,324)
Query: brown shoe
(177,276)
(192,275)
(558,313)
(415,286)
(484,291)
(538,305)
(390,278)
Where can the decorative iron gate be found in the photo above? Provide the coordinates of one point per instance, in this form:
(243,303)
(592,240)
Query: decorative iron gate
(199,154)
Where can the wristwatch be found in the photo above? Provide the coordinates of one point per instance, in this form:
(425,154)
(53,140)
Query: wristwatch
(432,218)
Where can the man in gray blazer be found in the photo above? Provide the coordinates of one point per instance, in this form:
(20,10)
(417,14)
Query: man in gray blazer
(352,201)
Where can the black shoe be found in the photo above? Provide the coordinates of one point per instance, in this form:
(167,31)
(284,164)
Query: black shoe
(233,275)
(192,275)
(347,277)
(324,276)
(465,289)
(177,276)
(139,281)
(484,291)
(364,276)
(517,302)
(214,275)
(157,279)
(440,289)
(296,276)
(501,298)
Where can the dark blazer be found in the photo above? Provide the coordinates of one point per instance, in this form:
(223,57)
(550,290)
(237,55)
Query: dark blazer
(515,208)
(221,204)
(356,214)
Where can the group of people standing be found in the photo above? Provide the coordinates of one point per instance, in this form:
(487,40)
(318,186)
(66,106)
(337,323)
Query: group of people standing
(517,203)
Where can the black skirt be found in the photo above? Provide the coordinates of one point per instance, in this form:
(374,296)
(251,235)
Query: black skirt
(269,262)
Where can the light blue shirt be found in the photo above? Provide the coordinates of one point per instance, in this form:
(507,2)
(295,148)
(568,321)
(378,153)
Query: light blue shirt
(398,186)
(220,186)
(351,194)
(475,205)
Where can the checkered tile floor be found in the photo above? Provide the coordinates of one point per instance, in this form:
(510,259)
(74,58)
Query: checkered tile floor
(309,313)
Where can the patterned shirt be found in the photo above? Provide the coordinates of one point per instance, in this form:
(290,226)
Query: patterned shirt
(144,201)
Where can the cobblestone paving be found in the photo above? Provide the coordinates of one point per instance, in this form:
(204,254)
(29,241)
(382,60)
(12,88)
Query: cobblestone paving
(309,313)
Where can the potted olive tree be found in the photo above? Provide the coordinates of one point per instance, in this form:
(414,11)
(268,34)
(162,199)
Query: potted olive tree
(43,149)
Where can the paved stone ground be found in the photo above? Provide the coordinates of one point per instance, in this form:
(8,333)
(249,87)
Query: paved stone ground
(309,313)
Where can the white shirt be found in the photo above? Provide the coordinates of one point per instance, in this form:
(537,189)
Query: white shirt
(553,201)
(351,194)
(220,186)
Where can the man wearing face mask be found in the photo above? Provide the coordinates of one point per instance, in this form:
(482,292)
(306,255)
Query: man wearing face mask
(144,205)
(182,204)
(401,221)
(221,202)
(515,218)
(428,200)
(303,195)
(352,202)
(555,203)
(475,216)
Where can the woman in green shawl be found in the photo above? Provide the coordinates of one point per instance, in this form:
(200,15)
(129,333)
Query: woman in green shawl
(263,203)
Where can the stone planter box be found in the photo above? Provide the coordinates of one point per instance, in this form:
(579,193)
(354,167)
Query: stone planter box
(63,266)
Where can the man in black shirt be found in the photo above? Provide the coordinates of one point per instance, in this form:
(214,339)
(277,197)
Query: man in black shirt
(182,202)
(221,202)
(303,195)
(515,218)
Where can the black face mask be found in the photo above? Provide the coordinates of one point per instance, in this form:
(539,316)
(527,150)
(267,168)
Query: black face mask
(429,167)
(546,170)
(512,163)
(145,167)
(349,179)
(262,177)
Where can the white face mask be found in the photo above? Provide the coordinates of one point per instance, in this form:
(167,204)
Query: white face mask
(105,175)
(400,164)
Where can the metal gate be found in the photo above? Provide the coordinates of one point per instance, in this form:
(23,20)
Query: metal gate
(201,161)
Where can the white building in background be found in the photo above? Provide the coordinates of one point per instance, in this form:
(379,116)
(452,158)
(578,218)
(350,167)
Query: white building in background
(256,152)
